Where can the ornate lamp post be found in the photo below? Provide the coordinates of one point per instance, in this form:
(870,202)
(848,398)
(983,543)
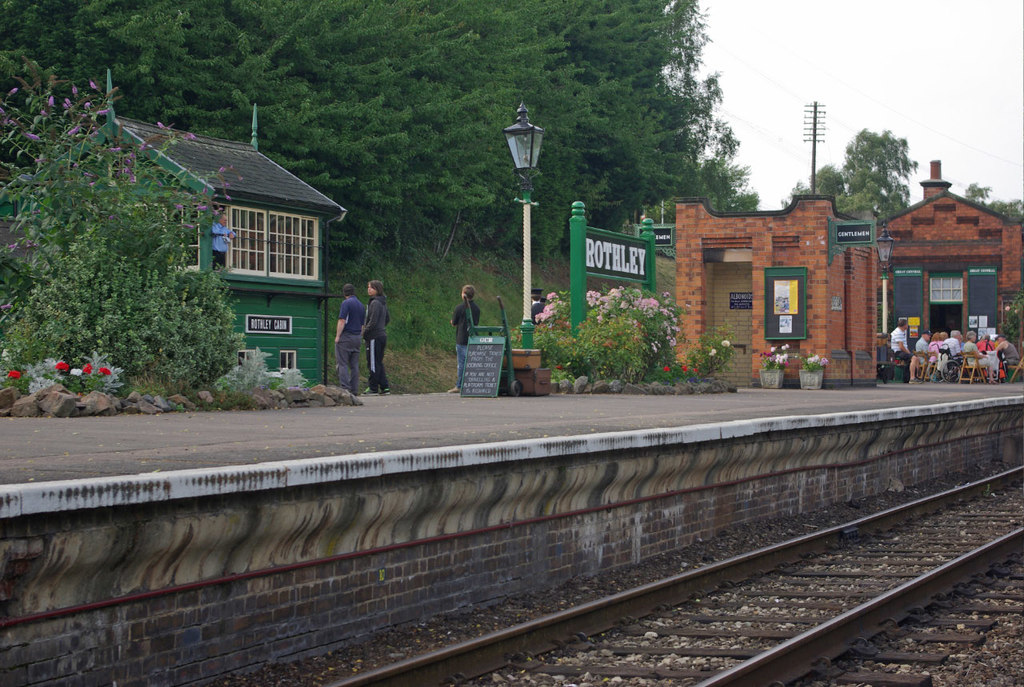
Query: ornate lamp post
(524,141)
(884,245)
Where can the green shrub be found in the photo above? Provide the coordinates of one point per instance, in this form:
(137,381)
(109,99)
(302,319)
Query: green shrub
(109,231)
(711,354)
(625,335)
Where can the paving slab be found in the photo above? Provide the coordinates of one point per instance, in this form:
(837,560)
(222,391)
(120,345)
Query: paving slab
(50,449)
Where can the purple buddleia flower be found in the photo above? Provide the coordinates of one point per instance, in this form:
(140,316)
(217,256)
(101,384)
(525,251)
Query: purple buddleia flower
(31,136)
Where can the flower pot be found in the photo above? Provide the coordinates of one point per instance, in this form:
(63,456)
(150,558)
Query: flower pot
(811,379)
(771,379)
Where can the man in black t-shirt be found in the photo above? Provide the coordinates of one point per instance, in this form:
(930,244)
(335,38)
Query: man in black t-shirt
(462,321)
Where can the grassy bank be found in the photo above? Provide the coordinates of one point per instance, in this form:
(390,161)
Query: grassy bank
(422,292)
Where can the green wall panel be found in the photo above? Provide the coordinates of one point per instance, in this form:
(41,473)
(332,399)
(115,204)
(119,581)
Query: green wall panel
(305,338)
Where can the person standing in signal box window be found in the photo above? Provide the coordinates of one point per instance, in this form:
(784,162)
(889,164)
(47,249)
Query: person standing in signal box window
(460,320)
(375,334)
(221,234)
(351,317)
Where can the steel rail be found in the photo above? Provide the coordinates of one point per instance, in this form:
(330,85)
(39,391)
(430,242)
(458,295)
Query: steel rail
(490,652)
(793,658)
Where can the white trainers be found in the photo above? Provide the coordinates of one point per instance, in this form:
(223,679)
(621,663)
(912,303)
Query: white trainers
(454,390)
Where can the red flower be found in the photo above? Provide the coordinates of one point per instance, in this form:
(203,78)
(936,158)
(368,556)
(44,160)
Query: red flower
(62,366)
(667,368)
(104,371)
(14,374)
(684,368)
(87,369)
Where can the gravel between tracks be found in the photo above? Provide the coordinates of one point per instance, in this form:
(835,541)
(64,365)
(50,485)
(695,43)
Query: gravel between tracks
(440,631)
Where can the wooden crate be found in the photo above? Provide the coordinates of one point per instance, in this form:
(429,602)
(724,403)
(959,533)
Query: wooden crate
(535,382)
(525,358)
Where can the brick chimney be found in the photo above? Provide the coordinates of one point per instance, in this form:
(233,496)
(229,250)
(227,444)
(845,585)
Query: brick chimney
(935,185)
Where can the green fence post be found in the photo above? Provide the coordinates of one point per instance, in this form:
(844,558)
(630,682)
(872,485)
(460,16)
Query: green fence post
(647,234)
(577,265)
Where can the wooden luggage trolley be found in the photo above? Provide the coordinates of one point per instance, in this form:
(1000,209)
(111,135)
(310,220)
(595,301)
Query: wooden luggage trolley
(489,368)
(493,367)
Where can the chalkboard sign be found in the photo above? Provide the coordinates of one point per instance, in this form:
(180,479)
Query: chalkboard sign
(482,374)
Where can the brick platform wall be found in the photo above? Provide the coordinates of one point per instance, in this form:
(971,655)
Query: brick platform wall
(313,568)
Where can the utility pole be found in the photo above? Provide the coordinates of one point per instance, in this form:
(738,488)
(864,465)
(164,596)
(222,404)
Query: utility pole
(814,132)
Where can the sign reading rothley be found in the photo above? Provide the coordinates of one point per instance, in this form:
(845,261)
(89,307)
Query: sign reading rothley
(268,324)
(616,255)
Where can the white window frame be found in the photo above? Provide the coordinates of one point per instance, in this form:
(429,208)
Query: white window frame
(946,289)
(274,244)
(285,357)
(244,354)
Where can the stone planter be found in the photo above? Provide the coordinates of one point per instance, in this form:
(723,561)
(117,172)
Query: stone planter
(811,379)
(771,379)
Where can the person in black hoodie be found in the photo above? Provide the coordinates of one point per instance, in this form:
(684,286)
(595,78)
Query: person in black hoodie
(375,335)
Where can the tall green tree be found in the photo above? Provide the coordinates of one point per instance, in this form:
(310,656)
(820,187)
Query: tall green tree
(394,108)
(875,175)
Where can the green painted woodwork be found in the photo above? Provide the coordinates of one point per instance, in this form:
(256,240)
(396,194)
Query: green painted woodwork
(307,333)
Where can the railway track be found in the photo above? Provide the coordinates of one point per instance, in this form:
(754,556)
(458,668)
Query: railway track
(767,617)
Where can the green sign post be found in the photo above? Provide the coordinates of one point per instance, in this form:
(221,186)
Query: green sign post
(607,254)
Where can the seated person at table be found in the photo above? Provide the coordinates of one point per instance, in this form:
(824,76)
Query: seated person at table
(970,346)
(955,343)
(935,352)
(898,342)
(1007,351)
(915,362)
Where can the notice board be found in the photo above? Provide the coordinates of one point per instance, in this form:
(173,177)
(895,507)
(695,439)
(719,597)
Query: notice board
(983,305)
(785,303)
(908,299)
(482,374)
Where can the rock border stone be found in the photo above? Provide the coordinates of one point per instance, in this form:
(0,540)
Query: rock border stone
(57,401)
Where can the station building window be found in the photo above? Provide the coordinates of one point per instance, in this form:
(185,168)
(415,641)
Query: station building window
(946,289)
(274,244)
(289,360)
(245,354)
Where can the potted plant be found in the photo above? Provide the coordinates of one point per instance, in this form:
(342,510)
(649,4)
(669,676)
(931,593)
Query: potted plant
(773,366)
(812,371)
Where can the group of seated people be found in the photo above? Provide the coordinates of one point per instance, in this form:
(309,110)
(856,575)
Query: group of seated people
(996,354)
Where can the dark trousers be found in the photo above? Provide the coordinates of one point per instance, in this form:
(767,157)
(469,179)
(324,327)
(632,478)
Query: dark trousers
(375,363)
(346,353)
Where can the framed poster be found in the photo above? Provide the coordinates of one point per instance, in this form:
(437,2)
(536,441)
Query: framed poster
(785,303)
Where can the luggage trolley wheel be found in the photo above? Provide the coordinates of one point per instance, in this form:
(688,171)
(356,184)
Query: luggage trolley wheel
(515,388)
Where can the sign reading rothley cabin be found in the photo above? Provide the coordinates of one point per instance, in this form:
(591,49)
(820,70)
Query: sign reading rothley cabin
(616,255)
(268,324)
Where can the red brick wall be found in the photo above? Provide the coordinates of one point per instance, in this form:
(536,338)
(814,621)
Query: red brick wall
(947,228)
(794,237)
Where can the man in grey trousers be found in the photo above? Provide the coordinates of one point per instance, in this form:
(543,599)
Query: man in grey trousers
(347,340)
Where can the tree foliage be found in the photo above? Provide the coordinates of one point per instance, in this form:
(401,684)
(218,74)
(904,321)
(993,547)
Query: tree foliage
(874,178)
(394,108)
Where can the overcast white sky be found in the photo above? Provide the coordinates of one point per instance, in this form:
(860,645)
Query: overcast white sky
(946,75)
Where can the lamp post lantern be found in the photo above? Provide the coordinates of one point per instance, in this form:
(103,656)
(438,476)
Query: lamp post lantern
(884,246)
(524,141)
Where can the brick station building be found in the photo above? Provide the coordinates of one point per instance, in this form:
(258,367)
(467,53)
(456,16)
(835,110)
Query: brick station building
(778,277)
(956,263)
(791,277)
